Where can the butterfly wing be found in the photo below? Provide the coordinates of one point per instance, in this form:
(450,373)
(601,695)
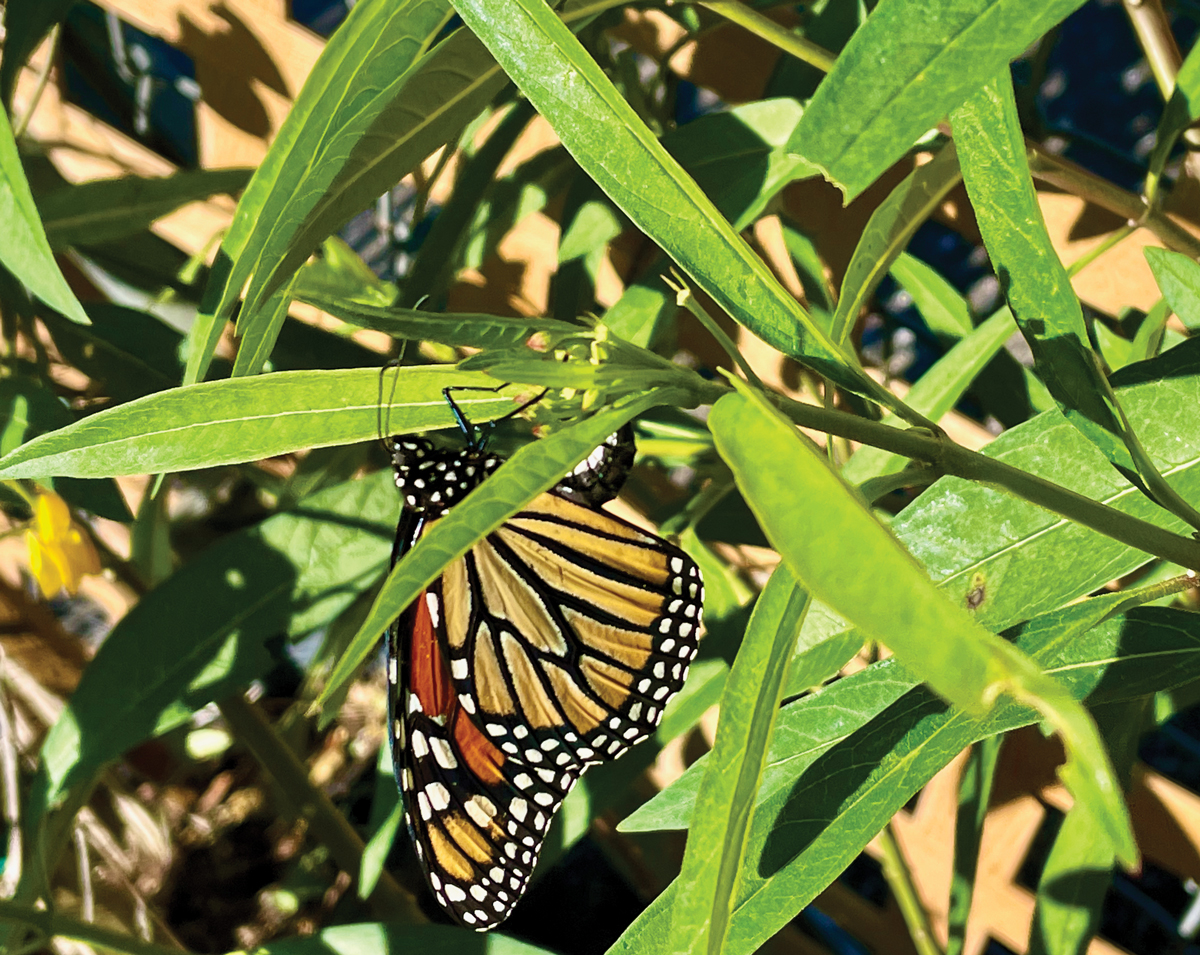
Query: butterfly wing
(569,629)
(551,645)
(476,817)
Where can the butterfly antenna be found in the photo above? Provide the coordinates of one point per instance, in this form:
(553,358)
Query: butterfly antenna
(383,422)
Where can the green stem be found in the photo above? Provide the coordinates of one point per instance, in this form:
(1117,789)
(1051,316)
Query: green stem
(1153,30)
(974,793)
(753,21)
(22,124)
(1079,182)
(950,458)
(1112,239)
(53,925)
(328,825)
(684,297)
(895,870)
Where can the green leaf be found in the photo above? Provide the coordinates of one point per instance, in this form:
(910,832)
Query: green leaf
(739,160)
(717,837)
(888,231)
(246,419)
(615,148)
(1078,871)
(475,330)
(24,250)
(808,514)
(974,793)
(201,635)
(26,23)
(258,338)
(384,938)
(379,845)
(533,469)
(339,274)
(910,64)
(1181,111)
(433,267)
(107,209)
(845,760)
(1036,561)
(939,303)
(126,353)
(996,173)
(28,408)
(331,138)
(1178,277)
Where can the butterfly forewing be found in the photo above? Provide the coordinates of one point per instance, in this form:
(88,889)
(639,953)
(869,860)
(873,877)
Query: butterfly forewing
(581,628)
(553,644)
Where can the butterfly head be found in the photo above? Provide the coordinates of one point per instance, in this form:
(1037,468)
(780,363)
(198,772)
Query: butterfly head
(431,480)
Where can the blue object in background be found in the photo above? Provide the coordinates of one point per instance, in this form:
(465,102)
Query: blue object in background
(133,81)
(320,16)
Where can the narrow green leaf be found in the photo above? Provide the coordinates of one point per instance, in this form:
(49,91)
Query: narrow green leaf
(339,274)
(433,266)
(845,760)
(246,419)
(908,66)
(992,150)
(1179,279)
(379,845)
(1149,335)
(615,148)
(717,837)
(1181,111)
(26,23)
(362,70)
(259,337)
(938,390)
(888,231)
(974,793)
(487,332)
(202,634)
(386,938)
(739,160)
(944,310)
(1078,871)
(808,513)
(107,209)
(24,250)
(533,469)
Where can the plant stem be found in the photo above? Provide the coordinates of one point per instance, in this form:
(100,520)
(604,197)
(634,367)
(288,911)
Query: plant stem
(895,870)
(1092,188)
(953,459)
(1154,34)
(329,826)
(1112,239)
(753,21)
(21,125)
(53,925)
(974,793)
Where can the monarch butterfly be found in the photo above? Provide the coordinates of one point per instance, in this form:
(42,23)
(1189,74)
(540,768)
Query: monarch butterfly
(553,644)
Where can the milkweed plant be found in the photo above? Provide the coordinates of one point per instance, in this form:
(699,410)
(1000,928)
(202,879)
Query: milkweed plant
(881,595)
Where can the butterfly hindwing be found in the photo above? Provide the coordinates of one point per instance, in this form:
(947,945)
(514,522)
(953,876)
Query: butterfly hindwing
(477,818)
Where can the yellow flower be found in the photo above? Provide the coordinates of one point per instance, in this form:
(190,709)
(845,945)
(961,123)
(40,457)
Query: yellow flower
(59,552)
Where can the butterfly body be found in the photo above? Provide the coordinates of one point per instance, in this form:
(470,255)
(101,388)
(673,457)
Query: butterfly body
(553,644)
